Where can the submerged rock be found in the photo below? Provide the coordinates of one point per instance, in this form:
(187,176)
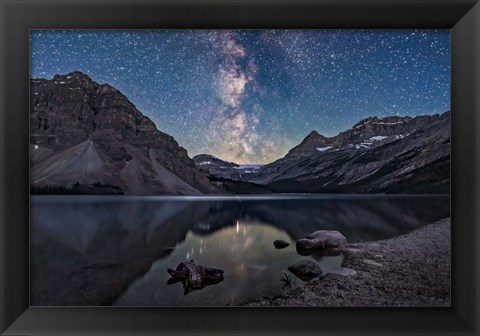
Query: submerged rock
(280,244)
(322,239)
(194,276)
(305,270)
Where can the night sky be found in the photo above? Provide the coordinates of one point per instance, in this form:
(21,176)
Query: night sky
(249,96)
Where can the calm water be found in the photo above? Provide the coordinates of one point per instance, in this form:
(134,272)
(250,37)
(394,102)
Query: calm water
(115,250)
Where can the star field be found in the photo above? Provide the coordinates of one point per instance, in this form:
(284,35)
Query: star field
(250,95)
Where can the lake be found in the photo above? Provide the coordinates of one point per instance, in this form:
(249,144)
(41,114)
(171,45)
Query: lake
(115,250)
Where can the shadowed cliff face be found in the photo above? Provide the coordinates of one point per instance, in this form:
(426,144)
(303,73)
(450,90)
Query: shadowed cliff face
(88,133)
(88,251)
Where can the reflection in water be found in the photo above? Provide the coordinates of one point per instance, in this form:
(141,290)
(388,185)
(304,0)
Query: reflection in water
(253,267)
(116,250)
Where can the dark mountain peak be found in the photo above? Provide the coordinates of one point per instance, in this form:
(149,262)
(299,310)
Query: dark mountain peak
(381,120)
(310,143)
(369,128)
(77,75)
(365,121)
(74,117)
(75,79)
(313,135)
(207,160)
(76,86)
(204,156)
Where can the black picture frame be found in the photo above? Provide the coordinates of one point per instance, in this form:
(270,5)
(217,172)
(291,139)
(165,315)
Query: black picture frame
(17,17)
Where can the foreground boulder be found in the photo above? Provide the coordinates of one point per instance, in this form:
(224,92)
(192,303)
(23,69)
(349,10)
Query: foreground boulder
(322,239)
(280,244)
(194,276)
(305,270)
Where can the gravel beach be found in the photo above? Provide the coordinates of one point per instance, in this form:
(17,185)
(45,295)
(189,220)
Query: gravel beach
(409,270)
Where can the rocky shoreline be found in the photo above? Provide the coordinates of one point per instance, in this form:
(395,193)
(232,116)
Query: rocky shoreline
(409,270)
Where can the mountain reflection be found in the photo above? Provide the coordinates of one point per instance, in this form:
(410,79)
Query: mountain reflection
(88,252)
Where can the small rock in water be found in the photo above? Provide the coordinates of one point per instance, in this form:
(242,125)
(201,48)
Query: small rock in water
(330,237)
(305,270)
(280,244)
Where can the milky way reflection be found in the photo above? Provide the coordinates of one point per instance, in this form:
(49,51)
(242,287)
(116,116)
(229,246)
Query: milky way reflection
(115,250)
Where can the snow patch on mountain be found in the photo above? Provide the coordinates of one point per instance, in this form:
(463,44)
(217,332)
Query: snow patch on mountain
(378,138)
(248,168)
(322,149)
(252,165)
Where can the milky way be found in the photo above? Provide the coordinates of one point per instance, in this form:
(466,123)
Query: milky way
(249,96)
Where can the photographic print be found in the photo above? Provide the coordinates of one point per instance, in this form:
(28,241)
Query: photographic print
(240,168)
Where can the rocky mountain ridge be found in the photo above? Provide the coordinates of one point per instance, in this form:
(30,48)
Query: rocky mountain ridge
(373,129)
(210,160)
(377,155)
(89,136)
(84,132)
